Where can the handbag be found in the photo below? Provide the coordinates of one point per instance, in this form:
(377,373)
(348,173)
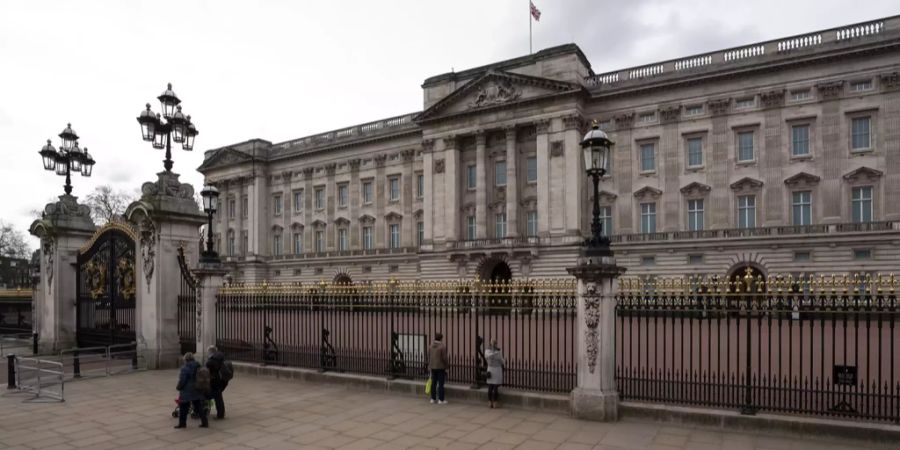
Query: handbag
(428,386)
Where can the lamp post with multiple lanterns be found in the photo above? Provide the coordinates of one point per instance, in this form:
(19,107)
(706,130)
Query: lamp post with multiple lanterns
(69,158)
(210,204)
(596,147)
(176,126)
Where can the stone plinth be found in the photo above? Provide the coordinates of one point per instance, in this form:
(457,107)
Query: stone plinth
(210,279)
(595,396)
(167,218)
(64,228)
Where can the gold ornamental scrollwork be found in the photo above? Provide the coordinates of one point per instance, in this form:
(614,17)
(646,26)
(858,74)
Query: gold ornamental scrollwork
(95,278)
(125,277)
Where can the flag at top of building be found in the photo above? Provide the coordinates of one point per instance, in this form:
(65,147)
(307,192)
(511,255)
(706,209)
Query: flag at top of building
(536,13)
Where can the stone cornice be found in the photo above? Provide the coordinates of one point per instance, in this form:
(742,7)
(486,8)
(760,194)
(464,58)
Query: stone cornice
(830,90)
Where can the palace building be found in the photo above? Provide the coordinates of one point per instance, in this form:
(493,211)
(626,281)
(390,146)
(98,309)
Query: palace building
(782,156)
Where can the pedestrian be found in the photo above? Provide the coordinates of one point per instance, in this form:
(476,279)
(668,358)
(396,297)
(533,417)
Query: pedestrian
(188,393)
(437,363)
(220,375)
(495,365)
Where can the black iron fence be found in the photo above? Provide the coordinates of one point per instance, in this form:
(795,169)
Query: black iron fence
(819,345)
(187,307)
(385,328)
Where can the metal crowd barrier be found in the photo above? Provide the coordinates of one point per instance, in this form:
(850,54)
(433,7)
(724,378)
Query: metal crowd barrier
(17,343)
(99,361)
(43,378)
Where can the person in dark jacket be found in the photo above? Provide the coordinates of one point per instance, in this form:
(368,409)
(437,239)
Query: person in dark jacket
(188,395)
(437,363)
(214,363)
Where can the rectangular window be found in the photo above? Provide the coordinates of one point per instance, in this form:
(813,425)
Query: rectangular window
(531,223)
(862,204)
(298,201)
(394,189)
(862,253)
(395,235)
(320,198)
(799,140)
(277,204)
(420,233)
(343,195)
(230,245)
(860,86)
(298,243)
(500,173)
(531,170)
(745,146)
(420,185)
(648,217)
(245,206)
(694,110)
(747,211)
(367,192)
(802,256)
(342,239)
(648,260)
(744,103)
(500,226)
(801,207)
(861,133)
(800,95)
(245,245)
(695,152)
(695,215)
(647,117)
(470,227)
(368,242)
(695,259)
(648,158)
(231,208)
(471,177)
(320,241)
(276,245)
(606,222)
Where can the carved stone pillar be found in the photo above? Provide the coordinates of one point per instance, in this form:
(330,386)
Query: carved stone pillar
(512,184)
(575,175)
(63,230)
(381,185)
(330,203)
(353,215)
(210,279)
(543,186)
(308,195)
(407,183)
(481,211)
(428,195)
(452,185)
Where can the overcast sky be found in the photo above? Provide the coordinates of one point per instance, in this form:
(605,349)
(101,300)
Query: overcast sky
(279,70)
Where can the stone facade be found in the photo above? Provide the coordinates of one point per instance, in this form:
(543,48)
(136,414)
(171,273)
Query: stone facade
(782,155)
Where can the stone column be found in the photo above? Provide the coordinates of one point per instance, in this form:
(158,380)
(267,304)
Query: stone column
(543,185)
(481,213)
(210,279)
(595,397)
(353,214)
(167,218)
(512,184)
(330,204)
(427,204)
(407,185)
(65,227)
(380,183)
(452,183)
(309,232)
(575,175)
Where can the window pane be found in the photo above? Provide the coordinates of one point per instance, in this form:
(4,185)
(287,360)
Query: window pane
(606,220)
(648,158)
(745,146)
(395,236)
(394,188)
(695,215)
(747,211)
(470,227)
(420,185)
(801,207)
(500,226)
(648,217)
(500,173)
(695,152)
(860,133)
(420,232)
(800,140)
(470,177)
(531,164)
(862,204)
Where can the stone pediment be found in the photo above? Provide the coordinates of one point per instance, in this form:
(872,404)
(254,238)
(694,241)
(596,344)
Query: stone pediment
(224,157)
(366,219)
(606,197)
(495,89)
(802,179)
(647,193)
(863,175)
(696,189)
(746,183)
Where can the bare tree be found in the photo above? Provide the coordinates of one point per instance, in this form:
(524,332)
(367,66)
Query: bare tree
(107,203)
(12,242)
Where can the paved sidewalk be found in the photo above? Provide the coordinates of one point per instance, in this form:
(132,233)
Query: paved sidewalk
(133,411)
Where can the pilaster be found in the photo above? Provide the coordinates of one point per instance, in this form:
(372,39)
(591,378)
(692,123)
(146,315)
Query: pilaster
(381,185)
(452,182)
(575,175)
(210,279)
(353,215)
(407,183)
(512,184)
(481,212)
(429,200)
(542,129)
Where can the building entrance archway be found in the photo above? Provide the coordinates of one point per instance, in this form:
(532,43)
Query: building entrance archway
(495,270)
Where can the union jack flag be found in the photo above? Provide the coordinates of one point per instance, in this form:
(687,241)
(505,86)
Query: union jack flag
(536,13)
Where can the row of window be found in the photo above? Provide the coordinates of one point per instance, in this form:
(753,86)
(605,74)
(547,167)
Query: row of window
(343,243)
(500,173)
(861,203)
(500,225)
(746,146)
(799,256)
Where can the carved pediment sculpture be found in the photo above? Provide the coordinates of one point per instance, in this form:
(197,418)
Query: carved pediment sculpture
(495,92)
(393,216)
(439,166)
(427,145)
(297,226)
(318,224)
(225,157)
(695,189)
(801,180)
(746,184)
(863,175)
(648,193)
(556,148)
(366,219)
(341,221)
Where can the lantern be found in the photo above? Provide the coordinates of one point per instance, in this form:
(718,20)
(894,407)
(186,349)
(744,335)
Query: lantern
(148,123)
(87,164)
(595,146)
(48,154)
(68,137)
(167,101)
(210,198)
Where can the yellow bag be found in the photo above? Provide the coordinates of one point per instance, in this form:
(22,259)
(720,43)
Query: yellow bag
(428,386)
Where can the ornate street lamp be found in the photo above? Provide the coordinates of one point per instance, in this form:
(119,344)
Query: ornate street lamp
(69,158)
(177,126)
(210,204)
(596,147)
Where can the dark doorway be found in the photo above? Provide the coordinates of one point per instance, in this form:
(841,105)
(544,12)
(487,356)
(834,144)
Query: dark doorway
(496,270)
(342,278)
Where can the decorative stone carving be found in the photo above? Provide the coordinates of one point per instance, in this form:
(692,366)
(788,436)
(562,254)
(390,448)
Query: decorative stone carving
(624,121)
(542,126)
(718,106)
(308,172)
(802,180)
(379,160)
(746,184)
(573,123)
(354,163)
(528,203)
(148,239)
(890,80)
(556,148)
(366,219)
(439,166)
(495,92)
(695,189)
(830,90)
(393,216)
(606,197)
(648,193)
(772,99)
(863,175)
(427,145)
(167,185)
(449,142)
(330,168)
(407,155)
(468,209)
(669,113)
(48,248)
(591,321)
(287,175)
(67,206)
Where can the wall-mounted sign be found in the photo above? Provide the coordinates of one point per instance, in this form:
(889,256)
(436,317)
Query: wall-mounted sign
(844,375)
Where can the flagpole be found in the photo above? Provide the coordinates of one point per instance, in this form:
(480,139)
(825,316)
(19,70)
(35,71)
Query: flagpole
(529,27)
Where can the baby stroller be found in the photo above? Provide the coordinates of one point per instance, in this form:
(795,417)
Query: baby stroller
(206,407)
